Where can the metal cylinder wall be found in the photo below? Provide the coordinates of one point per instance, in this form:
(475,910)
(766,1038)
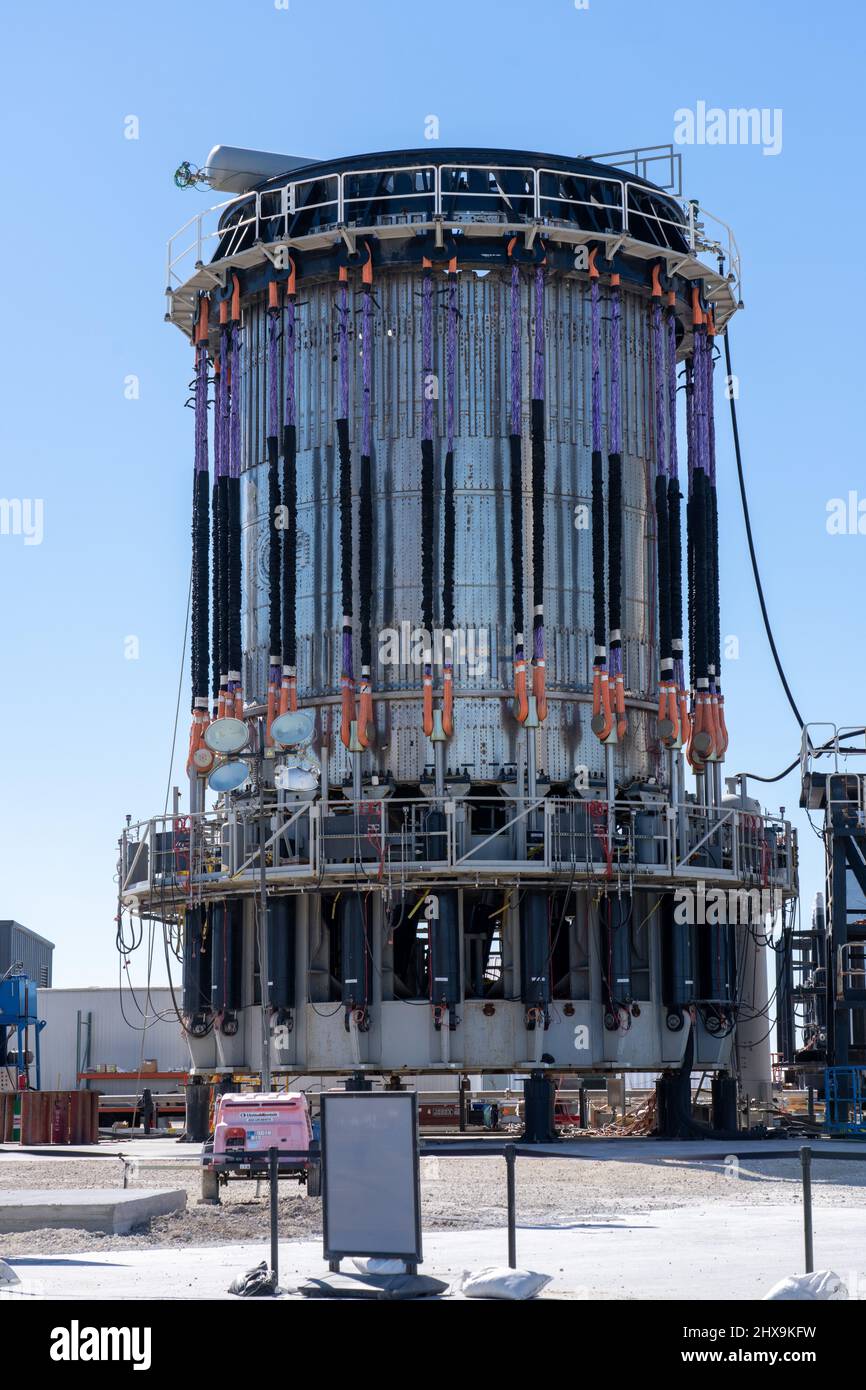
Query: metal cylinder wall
(485,731)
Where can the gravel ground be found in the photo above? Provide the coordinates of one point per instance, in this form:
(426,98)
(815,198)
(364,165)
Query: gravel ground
(457,1193)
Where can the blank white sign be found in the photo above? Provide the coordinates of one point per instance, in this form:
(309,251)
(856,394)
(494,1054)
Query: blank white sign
(370,1174)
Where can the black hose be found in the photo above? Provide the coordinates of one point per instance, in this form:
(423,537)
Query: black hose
(614,542)
(759,587)
(538,471)
(598,598)
(274,548)
(365,560)
(427,523)
(290,546)
(345,515)
(448,545)
(516,489)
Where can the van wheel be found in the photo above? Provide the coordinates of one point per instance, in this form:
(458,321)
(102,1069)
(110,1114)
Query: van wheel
(314,1180)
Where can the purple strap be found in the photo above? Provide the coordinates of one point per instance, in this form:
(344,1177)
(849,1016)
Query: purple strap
(427,355)
(221,421)
(516,371)
(290,362)
(659,368)
(538,354)
(595,322)
(450,361)
(366,369)
(691,445)
(234,466)
(343,331)
(615,406)
(348,669)
(709,368)
(201,455)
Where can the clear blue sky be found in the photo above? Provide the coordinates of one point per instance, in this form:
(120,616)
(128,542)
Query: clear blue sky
(87,214)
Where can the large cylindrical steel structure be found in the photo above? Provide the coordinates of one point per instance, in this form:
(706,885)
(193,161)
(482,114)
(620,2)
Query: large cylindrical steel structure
(444,400)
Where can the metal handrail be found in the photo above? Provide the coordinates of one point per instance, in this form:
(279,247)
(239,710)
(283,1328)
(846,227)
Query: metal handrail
(533,198)
(750,847)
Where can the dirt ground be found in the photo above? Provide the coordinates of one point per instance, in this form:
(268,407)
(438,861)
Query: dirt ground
(457,1193)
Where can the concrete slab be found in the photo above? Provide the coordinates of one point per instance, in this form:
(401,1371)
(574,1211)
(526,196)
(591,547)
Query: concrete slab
(112,1210)
(719,1251)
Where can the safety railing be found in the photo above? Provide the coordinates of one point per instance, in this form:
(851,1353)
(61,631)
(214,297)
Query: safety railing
(459,838)
(420,193)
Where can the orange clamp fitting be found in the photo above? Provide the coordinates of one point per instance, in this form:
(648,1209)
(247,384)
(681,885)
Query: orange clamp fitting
(236,300)
(656,282)
(698,316)
(273,295)
(239,703)
(602,715)
(367,270)
(723,728)
(520,689)
(593,272)
(448,701)
(615,280)
(347,709)
(203,319)
(539,689)
(619,706)
(291,283)
(428,703)
(685,720)
(272,704)
(365,712)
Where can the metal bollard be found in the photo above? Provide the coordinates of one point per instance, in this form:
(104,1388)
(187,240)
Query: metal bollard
(806,1165)
(275,1239)
(510,1161)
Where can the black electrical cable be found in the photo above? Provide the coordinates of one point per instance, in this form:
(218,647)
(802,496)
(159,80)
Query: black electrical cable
(598,597)
(614,542)
(345,514)
(290,546)
(516,489)
(233,509)
(538,470)
(663,562)
(215,590)
(365,560)
(746,517)
(427,499)
(275,633)
(221,537)
(448,545)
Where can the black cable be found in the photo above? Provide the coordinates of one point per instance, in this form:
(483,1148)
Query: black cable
(290,546)
(538,471)
(614,543)
(759,587)
(274,548)
(516,489)
(448,545)
(663,563)
(598,599)
(365,560)
(215,592)
(427,469)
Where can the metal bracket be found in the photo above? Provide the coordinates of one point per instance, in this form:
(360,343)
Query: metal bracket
(349,239)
